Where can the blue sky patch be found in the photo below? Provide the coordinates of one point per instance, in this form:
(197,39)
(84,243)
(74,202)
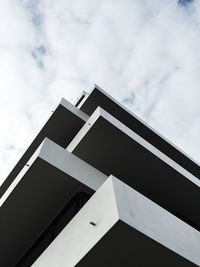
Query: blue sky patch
(184,2)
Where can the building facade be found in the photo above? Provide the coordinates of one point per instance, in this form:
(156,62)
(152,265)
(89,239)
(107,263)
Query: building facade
(99,187)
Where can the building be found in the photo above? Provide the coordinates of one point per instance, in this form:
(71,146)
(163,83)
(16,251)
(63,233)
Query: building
(99,187)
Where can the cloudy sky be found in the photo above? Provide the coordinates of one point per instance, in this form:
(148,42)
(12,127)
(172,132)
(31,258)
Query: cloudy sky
(145,53)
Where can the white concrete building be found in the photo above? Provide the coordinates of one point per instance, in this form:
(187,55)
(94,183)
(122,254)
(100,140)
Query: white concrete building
(99,187)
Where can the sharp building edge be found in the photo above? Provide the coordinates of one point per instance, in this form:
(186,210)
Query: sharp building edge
(99,187)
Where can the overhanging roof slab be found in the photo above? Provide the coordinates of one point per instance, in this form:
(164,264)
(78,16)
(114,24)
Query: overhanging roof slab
(61,127)
(111,147)
(123,229)
(51,181)
(98,97)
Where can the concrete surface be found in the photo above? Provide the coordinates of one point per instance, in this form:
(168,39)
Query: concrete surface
(61,127)
(111,147)
(98,97)
(128,230)
(43,190)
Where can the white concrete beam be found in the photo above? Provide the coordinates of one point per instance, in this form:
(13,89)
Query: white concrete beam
(123,229)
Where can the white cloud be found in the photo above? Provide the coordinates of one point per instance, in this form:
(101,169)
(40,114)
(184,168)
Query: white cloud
(144,52)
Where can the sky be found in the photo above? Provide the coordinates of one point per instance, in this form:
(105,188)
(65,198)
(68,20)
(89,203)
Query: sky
(145,53)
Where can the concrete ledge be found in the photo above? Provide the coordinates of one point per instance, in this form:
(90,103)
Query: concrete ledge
(61,127)
(111,147)
(125,229)
(98,97)
(42,190)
